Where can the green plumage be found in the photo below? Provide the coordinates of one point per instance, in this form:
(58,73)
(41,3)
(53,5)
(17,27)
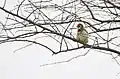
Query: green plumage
(82,34)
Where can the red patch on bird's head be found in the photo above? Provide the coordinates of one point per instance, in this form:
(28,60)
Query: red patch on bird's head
(79,25)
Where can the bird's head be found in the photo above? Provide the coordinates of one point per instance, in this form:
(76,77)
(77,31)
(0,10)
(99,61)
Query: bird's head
(80,26)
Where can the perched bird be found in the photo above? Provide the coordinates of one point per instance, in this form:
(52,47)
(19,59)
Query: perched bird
(82,34)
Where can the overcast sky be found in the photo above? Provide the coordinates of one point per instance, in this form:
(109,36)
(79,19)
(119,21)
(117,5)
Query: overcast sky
(25,63)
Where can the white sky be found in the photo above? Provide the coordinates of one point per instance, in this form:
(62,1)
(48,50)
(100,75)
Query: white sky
(25,64)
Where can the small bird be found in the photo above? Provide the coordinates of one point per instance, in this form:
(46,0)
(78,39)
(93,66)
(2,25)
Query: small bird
(82,34)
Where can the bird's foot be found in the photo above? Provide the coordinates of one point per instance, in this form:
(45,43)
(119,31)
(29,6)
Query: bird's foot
(84,46)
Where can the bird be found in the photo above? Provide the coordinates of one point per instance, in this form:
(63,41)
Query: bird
(82,34)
